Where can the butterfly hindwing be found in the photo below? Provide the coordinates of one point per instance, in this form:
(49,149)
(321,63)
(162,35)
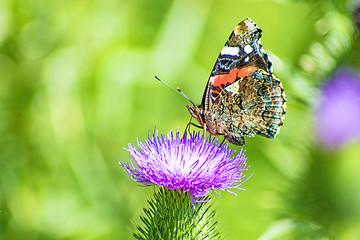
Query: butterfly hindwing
(253,105)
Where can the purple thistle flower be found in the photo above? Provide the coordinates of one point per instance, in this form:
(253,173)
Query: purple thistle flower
(338,114)
(189,163)
(357,13)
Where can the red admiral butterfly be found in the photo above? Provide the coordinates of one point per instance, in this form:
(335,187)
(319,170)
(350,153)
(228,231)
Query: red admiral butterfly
(242,97)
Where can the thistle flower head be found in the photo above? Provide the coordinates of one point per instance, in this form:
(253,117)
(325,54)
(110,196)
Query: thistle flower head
(357,13)
(189,164)
(338,114)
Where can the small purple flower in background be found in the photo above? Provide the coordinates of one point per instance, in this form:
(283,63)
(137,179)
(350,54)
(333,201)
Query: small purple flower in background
(357,13)
(187,163)
(338,114)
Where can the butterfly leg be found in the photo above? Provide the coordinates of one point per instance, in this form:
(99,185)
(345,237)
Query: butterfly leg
(188,127)
(222,141)
(204,133)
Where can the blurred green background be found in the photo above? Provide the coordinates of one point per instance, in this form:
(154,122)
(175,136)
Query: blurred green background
(77,85)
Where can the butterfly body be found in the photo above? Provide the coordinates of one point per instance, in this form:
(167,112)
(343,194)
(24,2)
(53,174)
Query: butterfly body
(242,97)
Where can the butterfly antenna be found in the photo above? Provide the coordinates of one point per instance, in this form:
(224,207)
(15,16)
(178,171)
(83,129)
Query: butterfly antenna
(176,90)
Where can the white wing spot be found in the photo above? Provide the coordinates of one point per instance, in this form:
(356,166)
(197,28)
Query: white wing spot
(232,51)
(248,49)
(247,59)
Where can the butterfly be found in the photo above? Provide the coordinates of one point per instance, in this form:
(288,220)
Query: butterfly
(242,97)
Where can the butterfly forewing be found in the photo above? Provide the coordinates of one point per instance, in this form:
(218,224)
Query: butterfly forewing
(241,54)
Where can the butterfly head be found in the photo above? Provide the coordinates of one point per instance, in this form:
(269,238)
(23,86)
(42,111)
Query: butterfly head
(197,113)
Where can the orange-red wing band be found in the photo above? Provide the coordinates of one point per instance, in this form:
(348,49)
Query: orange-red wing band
(229,78)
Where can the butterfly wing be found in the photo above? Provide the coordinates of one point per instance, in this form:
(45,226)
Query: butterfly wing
(256,104)
(243,98)
(241,55)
